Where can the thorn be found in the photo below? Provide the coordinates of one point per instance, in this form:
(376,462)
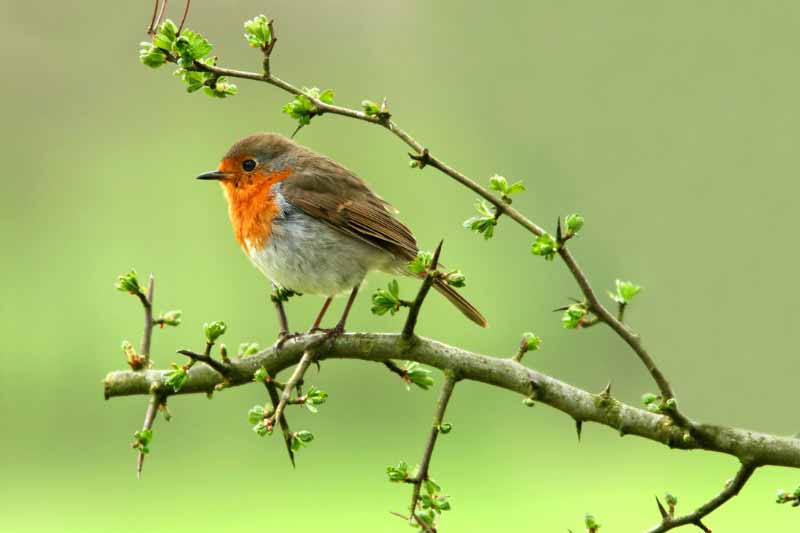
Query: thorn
(607,391)
(436,253)
(404,517)
(297,130)
(559,237)
(664,513)
(578,428)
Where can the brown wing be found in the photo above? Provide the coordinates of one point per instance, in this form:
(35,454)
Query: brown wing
(330,192)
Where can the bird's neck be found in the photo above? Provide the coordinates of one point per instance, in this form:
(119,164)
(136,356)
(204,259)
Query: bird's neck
(252,207)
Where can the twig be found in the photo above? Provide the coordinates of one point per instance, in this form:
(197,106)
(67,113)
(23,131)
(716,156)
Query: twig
(758,448)
(309,356)
(156,400)
(424,465)
(500,208)
(222,368)
(427,283)
(151,30)
(731,489)
(161,15)
(147,335)
(183,18)
(287,433)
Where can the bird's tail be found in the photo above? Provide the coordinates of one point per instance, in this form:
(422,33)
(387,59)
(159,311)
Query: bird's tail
(460,302)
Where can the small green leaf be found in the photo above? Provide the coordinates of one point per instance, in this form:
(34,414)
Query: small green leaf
(129,283)
(151,56)
(484,222)
(545,246)
(398,473)
(530,342)
(573,315)
(384,301)
(256,414)
(421,263)
(176,378)
(649,397)
(455,278)
(170,318)
(573,223)
(214,330)
(591,522)
(445,428)
(417,375)
(261,375)
(326,96)
(671,500)
(370,107)
(301,439)
(626,290)
(257,32)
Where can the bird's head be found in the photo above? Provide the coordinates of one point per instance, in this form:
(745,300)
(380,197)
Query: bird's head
(254,163)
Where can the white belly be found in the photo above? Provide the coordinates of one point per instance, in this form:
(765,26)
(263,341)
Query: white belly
(309,256)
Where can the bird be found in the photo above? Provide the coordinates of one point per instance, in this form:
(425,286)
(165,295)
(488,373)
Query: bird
(312,226)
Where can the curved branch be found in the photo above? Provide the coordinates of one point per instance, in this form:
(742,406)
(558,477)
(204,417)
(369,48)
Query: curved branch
(750,447)
(731,489)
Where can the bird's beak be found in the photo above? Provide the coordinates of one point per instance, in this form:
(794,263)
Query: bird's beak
(213,175)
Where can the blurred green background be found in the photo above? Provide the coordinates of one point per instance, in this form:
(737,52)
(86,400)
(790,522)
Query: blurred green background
(672,127)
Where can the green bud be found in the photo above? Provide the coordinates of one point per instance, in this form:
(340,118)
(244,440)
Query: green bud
(176,378)
(528,402)
(370,107)
(419,376)
(150,56)
(545,246)
(214,330)
(247,349)
(257,32)
(670,404)
(256,414)
(445,428)
(625,291)
(170,318)
(129,283)
(649,397)
(591,522)
(397,473)
(421,263)
(672,501)
(530,342)
(142,440)
(300,439)
(574,223)
(573,315)
(455,278)
(261,375)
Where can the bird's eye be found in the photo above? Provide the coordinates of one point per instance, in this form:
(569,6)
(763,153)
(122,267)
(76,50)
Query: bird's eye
(248,165)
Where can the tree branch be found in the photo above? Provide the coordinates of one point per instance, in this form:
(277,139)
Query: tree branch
(750,447)
(731,489)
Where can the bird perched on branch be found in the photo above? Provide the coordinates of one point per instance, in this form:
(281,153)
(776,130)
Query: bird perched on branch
(311,225)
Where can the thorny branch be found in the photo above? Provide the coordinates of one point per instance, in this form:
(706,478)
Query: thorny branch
(669,427)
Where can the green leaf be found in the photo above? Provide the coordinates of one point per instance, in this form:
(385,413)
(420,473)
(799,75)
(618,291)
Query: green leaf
(384,301)
(626,290)
(397,473)
(417,375)
(256,414)
(545,246)
(498,183)
(572,316)
(257,32)
(421,263)
(221,88)
(214,330)
(515,188)
(129,283)
(370,108)
(483,223)
(151,56)
(300,439)
(170,318)
(573,223)
(326,96)
(261,375)
(591,522)
(176,378)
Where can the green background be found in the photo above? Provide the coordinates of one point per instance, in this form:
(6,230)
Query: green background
(671,126)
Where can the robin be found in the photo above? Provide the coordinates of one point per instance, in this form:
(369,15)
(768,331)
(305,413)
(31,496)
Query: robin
(312,226)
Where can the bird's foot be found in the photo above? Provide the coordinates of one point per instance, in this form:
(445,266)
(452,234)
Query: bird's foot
(330,333)
(285,336)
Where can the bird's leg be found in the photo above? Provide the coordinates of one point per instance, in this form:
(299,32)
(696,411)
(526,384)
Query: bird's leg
(315,326)
(338,329)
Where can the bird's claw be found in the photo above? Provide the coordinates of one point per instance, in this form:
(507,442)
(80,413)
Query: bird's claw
(285,336)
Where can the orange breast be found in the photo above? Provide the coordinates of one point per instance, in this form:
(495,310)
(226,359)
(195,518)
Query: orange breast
(252,207)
